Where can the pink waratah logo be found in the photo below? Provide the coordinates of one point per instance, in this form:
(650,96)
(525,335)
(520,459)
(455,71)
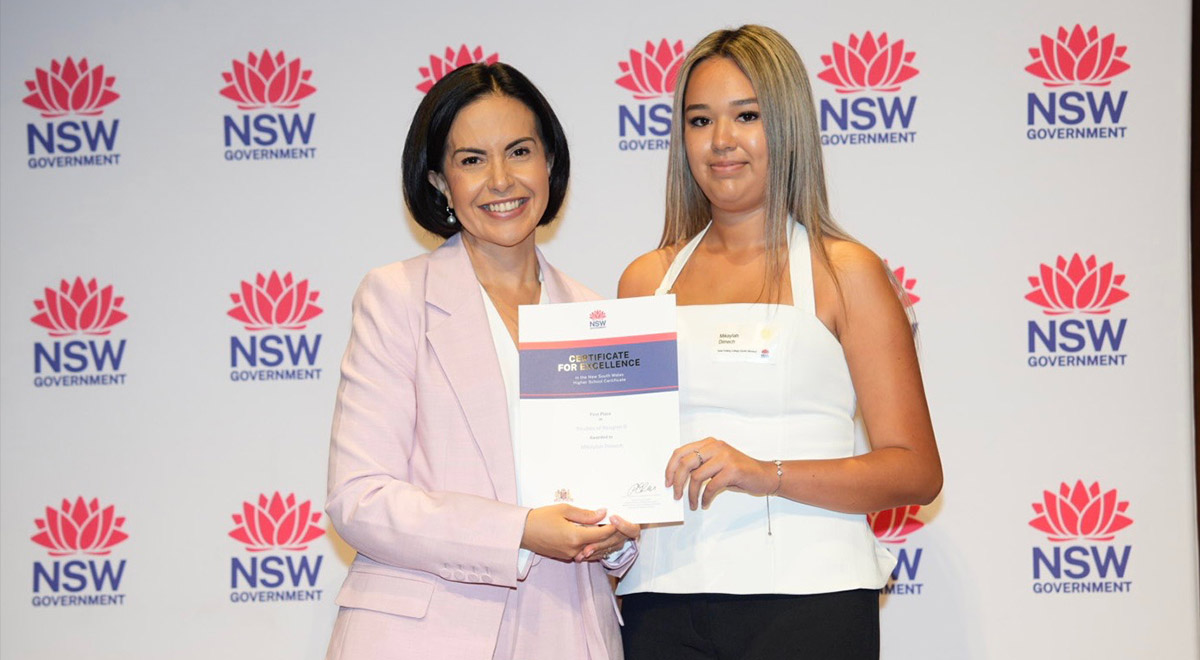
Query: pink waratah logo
(651,73)
(440,66)
(80,526)
(275,302)
(76,307)
(1076,285)
(277,522)
(894,525)
(1080,511)
(868,63)
(71,87)
(267,81)
(1074,56)
(598,315)
(905,286)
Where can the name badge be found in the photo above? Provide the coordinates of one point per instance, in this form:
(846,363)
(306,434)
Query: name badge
(754,343)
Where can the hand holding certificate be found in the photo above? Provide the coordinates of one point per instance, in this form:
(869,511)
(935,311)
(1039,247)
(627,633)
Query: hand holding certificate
(600,406)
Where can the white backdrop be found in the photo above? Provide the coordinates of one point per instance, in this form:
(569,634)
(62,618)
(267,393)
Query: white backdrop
(120,482)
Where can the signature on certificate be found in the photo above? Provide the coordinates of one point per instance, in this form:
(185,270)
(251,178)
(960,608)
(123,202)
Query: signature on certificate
(641,487)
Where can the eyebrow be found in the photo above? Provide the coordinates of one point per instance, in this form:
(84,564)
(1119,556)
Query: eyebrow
(481,152)
(702,106)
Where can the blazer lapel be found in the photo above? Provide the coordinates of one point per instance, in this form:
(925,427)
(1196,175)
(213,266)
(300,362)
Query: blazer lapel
(459,334)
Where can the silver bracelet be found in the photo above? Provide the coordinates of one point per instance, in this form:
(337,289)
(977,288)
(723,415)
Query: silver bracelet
(778,473)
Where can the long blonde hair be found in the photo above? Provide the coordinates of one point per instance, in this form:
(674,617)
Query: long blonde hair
(795,169)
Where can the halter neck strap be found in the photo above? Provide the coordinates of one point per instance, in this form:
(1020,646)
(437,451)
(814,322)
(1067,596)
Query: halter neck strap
(799,265)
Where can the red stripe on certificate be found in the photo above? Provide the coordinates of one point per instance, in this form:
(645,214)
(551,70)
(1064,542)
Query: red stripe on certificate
(594,343)
(587,394)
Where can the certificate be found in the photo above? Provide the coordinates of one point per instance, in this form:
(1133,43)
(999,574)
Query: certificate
(600,406)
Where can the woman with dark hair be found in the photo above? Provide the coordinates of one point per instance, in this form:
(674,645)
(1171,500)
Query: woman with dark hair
(788,328)
(422,476)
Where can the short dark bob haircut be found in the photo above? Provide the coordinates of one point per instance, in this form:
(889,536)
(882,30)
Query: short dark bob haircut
(425,146)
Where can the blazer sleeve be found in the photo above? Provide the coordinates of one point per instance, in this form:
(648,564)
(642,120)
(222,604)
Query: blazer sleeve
(371,502)
(619,564)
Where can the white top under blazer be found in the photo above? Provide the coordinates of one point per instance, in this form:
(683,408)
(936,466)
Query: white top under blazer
(786,395)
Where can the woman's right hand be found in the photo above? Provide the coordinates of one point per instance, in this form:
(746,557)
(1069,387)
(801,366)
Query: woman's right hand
(562,531)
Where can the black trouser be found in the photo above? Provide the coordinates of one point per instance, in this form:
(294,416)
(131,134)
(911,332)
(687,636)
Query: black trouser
(836,626)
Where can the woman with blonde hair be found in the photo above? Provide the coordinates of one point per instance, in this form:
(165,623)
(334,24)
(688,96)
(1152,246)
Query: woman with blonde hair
(790,334)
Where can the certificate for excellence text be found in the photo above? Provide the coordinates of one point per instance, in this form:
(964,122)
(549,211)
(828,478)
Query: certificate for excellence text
(600,406)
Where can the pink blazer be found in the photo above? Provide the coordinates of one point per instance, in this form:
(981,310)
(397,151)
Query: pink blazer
(421,474)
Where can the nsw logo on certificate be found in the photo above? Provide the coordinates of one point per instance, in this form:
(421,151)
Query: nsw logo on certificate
(599,406)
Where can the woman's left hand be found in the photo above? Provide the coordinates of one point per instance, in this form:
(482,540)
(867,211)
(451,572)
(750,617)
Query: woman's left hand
(622,531)
(723,467)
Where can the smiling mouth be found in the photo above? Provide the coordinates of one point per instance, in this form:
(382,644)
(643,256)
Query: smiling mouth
(727,168)
(505,206)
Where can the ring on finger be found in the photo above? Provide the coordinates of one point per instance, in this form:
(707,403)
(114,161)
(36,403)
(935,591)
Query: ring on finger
(699,456)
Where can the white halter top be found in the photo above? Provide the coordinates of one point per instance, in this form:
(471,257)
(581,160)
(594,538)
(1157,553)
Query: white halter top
(772,381)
